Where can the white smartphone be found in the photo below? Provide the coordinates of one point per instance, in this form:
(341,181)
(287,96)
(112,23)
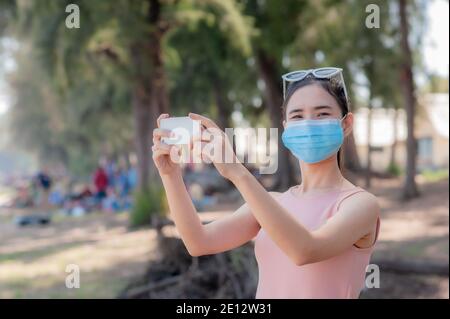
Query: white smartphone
(184,129)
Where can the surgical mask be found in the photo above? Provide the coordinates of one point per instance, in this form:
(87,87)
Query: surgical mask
(313,141)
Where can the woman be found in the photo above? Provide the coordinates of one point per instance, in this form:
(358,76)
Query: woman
(315,239)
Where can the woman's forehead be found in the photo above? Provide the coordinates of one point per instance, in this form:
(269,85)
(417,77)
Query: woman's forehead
(310,98)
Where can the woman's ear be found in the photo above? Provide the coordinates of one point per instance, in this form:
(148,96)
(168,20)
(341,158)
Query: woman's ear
(284,123)
(347,123)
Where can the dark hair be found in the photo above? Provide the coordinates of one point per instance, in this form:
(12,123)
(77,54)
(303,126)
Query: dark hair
(333,88)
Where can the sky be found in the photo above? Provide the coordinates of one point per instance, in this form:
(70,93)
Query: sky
(436,52)
(3,103)
(436,48)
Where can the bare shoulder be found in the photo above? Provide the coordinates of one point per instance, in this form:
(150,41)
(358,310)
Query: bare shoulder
(362,203)
(368,199)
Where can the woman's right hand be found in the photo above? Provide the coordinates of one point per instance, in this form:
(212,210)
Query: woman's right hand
(162,151)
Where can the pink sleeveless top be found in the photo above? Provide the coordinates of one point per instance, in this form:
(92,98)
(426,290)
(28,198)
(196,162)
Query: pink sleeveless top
(342,276)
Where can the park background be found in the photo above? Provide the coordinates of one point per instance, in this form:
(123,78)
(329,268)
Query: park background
(74,99)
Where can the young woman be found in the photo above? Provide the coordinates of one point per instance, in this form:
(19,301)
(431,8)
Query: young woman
(315,239)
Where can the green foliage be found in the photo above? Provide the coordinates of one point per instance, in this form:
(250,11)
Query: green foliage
(74,87)
(204,71)
(277,25)
(435,175)
(151,202)
(394,169)
(74,128)
(437,84)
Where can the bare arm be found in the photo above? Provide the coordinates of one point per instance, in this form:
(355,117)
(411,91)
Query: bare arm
(221,235)
(356,217)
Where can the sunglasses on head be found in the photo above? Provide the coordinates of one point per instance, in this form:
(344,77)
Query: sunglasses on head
(320,73)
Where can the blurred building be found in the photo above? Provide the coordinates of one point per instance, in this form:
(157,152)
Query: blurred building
(389,126)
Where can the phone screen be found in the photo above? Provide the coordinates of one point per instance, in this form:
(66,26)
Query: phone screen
(184,129)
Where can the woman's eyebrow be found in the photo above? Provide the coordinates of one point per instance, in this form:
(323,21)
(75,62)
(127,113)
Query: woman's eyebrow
(316,108)
(321,107)
(295,110)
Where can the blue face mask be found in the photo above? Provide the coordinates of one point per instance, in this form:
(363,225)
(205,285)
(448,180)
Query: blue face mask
(313,141)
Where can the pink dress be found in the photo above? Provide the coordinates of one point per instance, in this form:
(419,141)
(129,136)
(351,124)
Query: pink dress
(342,276)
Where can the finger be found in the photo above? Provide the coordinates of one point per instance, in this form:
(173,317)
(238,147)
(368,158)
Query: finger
(205,153)
(196,141)
(159,132)
(203,120)
(162,116)
(198,137)
(175,150)
(208,134)
(199,147)
(157,139)
(196,150)
(202,138)
(160,152)
(160,145)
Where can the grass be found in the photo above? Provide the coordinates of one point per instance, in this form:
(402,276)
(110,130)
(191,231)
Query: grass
(417,249)
(98,284)
(147,204)
(33,261)
(108,254)
(31,255)
(432,176)
(394,170)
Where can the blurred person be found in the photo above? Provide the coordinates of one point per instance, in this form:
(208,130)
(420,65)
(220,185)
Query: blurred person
(132,176)
(101,183)
(111,202)
(57,195)
(44,185)
(111,173)
(23,198)
(80,201)
(315,239)
(123,185)
(35,196)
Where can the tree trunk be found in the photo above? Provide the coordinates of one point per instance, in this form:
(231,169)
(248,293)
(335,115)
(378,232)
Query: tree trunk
(407,83)
(149,96)
(142,114)
(223,108)
(351,158)
(267,70)
(368,177)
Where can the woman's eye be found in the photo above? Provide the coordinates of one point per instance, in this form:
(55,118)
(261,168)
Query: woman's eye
(323,114)
(297,117)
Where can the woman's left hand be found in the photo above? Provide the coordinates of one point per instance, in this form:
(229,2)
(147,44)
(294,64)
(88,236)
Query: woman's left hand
(214,146)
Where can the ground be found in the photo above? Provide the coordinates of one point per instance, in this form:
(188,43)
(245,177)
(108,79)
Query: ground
(418,231)
(33,259)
